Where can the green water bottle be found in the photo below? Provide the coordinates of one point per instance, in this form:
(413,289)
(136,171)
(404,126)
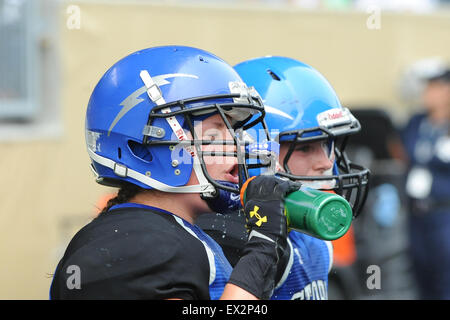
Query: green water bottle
(320,214)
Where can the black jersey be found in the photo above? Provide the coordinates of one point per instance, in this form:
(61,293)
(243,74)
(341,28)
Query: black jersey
(133,253)
(228,230)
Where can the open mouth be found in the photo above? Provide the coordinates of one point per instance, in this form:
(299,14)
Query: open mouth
(232,175)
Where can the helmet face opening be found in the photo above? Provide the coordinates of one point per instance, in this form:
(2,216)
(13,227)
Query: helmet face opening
(237,117)
(345,178)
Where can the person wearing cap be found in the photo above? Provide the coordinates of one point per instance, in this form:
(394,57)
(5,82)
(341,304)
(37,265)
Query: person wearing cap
(426,138)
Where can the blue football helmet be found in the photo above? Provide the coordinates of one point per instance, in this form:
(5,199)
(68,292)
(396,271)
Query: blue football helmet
(301,106)
(145,106)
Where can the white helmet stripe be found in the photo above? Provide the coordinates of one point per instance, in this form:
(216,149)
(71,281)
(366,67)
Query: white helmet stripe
(155,94)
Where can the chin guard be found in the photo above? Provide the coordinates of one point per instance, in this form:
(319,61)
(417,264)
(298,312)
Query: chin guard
(224,201)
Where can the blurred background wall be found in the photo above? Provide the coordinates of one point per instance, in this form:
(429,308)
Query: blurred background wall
(47,191)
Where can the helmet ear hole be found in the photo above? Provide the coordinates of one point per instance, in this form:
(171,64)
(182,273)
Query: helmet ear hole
(119,153)
(140,151)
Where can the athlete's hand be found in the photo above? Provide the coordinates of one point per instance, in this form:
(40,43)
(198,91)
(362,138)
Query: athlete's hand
(264,206)
(266,222)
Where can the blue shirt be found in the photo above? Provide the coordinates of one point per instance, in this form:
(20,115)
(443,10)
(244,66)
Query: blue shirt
(306,276)
(428,147)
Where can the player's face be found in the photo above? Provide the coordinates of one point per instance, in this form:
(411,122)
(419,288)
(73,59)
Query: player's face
(308,159)
(219,167)
(436,98)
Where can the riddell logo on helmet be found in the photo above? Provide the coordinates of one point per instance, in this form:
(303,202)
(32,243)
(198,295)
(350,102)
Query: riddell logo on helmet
(333,117)
(336,115)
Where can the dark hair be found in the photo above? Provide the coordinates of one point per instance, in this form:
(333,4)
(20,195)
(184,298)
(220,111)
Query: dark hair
(126,192)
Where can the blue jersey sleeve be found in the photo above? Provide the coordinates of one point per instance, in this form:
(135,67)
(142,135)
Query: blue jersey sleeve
(306,275)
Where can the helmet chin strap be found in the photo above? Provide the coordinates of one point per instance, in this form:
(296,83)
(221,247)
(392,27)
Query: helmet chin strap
(155,94)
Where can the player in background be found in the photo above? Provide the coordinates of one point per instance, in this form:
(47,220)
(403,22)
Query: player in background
(152,128)
(304,114)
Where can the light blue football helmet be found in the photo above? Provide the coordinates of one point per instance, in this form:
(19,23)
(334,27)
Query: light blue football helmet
(301,106)
(143,109)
